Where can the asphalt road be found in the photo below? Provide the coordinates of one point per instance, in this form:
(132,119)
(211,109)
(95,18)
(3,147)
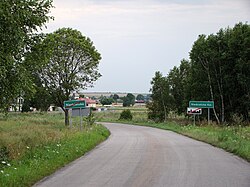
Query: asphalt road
(141,156)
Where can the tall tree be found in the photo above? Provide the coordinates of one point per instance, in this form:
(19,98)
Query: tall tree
(115,97)
(178,79)
(140,97)
(131,98)
(201,54)
(237,89)
(42,99)
(128,100)
(19,21)
(224,59)
(161,98)
(71,63)
(106,101)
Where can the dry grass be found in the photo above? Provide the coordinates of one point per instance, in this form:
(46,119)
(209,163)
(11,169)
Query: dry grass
(35,145)
(22,132)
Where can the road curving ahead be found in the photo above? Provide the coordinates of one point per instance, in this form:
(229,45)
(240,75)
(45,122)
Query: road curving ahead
(137,156)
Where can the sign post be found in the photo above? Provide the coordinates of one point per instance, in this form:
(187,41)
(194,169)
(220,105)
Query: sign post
(75,104)
(203,104)
(80,118)
(208,116)
(194,111)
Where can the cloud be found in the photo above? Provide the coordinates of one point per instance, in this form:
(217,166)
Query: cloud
(153,34)
(149,9)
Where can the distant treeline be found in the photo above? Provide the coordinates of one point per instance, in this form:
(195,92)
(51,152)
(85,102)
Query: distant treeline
(218,70)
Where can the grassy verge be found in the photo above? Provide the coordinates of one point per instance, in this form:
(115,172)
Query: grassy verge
(33,146)
(234,139)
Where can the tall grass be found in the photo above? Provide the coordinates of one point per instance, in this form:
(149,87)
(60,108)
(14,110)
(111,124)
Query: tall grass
(35,145)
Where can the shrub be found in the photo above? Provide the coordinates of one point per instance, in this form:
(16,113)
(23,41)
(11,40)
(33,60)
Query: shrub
(90,119)
(126,114)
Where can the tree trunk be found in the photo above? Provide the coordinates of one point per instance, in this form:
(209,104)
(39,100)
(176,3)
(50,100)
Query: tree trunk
(164,108)
(165,112)
(222,98)
(220,87)
(205,64)
(212,96)
(222,104)
(66,113)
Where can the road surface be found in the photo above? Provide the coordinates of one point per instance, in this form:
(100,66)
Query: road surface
(141,156)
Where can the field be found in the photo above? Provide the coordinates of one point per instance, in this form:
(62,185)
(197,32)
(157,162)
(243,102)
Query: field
(234,139)
(35,145)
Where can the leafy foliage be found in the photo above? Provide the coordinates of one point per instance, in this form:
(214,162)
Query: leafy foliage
(218,70)
(140,97)
(126,115)
(161,98)
(223,62)
(178,79)
(70,62)
(19,21)
(129,100)
(115,97)
(106,101)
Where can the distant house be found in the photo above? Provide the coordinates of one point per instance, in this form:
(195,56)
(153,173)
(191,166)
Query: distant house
(52,108)
(89,102)
(75,95)
(139,101)
(17,105)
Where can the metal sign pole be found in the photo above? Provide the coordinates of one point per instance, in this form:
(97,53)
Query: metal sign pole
(76,106)
(70,118)
(208,116)
(81,118)
(194,119)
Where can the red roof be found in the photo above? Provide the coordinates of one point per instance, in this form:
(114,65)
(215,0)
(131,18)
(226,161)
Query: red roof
(139,101)
(88,100)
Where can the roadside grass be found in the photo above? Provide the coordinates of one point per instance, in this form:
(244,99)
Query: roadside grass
(234,139)
(33,146)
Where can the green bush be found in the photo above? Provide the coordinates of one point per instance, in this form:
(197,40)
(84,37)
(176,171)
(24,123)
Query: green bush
(126,115)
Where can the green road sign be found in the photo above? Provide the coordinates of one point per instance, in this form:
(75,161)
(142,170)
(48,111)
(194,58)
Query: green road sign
(201,104)
(74,104)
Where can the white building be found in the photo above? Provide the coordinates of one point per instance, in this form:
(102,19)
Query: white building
(17,105)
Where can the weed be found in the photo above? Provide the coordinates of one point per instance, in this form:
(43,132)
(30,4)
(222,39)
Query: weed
(35,145)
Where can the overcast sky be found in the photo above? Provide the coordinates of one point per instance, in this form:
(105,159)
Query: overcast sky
(136,38)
